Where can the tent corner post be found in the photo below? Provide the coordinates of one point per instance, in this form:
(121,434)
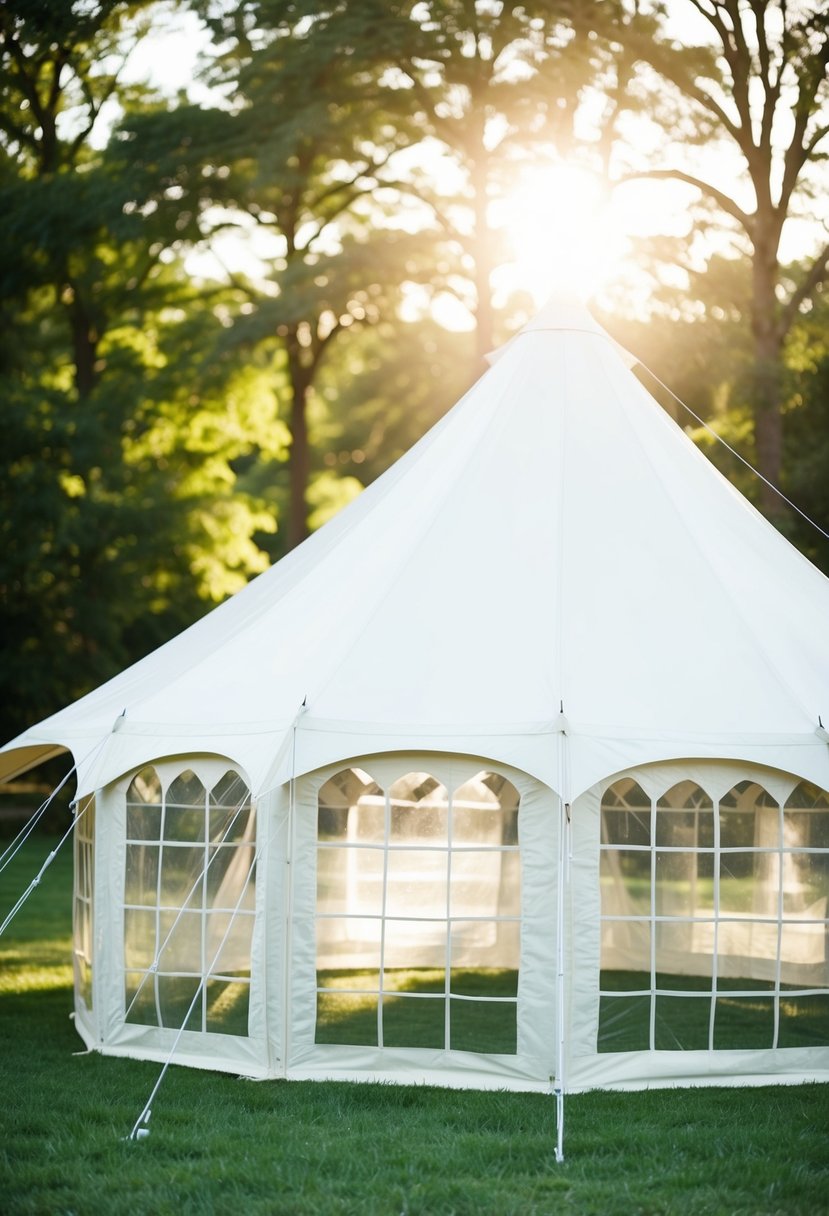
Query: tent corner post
(559,1095)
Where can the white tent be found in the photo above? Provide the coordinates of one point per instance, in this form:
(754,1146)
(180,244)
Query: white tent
(513,775)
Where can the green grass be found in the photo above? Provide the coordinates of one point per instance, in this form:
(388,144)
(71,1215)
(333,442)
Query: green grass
(221,1145)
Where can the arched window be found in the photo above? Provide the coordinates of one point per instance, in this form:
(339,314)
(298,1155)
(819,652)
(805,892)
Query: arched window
(418,901)
(714,918)
(188,901)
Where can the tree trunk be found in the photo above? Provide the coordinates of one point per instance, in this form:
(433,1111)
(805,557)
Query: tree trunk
(298,461)
(768,374)
(85,340)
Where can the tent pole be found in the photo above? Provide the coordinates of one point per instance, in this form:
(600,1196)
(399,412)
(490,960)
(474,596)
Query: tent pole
(563,873)
(288,897)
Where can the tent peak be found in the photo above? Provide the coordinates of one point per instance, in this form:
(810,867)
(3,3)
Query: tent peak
(564,311)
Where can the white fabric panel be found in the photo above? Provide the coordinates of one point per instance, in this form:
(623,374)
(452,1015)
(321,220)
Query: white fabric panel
(602,515)
(631,1069)
(532,1065)
(661,1069)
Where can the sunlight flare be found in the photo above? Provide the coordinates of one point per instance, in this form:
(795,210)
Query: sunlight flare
(562,233)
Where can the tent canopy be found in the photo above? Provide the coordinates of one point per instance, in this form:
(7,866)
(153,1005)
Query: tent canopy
(553,557)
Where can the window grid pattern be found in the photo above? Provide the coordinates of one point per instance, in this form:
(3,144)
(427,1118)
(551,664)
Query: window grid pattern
(741,887)
(412,910)
(82,904)
(189,902)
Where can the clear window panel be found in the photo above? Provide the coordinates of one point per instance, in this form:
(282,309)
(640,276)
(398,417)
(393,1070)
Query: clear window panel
(403,889)
(742,1023)
(485,812)
(417,948)
(145,787)
(184,823)
(626,827)
(143,822)
(625,877)
(749,883)
(141,875)
(84,979)
(176,919)
(230,816)
(804,1020)
(82,900)
(509,892)
(685,948)
(414,1021)
(684,884)
(182,869)
(228,941)
(350,1020)
(430,980)
(626,949)
(419,811)
(807,797)
(747,951)
(139,938)
(485,944)
(749,818)
(681,1023)
(805,884)
(478,881)
(624,1023)
(484,981)
(416,883)
(180,942)
(351,809)
(483,1026)
(230,878)
(231,825)
(366,821)
(353,980)
(685,818)
(228,1006)
(186,790)
(346,945)
(626,814)
(803,954)
(181,1001)
(350,881)
(140,999)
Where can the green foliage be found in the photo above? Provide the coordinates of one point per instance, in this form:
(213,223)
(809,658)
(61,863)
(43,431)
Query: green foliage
(121,522)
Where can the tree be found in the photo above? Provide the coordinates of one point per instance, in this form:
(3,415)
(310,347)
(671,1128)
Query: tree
(493,86)
(303,153)
(118,523)
(760,85)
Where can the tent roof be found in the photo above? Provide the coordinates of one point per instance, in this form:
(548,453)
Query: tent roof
(556,541)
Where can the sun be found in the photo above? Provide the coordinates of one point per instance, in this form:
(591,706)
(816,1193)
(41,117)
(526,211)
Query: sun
(562,232)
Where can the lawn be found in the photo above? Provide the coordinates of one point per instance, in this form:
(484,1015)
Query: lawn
(219,1144)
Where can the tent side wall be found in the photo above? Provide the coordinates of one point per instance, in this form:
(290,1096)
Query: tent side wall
(699,928)
(424,907)
(169,927)
(394,917)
